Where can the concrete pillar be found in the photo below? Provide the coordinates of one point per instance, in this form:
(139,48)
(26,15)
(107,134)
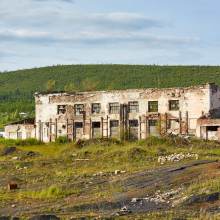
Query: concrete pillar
(39,125)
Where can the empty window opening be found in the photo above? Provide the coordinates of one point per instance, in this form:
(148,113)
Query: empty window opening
(96,124)
(45,132)
(133,106)
(96,108)
(173,124)
(19,135)
(12,135)
(153,106)
(174,105)
(28,134)
(114,123)
(78,124)
(114,107)
(133,123)
(212,128)
(78,109)
(61,109)
(153,122)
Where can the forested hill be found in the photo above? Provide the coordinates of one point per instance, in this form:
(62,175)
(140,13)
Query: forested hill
(17,87)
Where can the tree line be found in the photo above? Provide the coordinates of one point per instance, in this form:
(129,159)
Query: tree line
(17,87)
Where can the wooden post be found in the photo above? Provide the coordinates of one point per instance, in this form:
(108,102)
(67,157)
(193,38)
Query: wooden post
(187,121)
(42,131)
(102,126)
(90,128)
(140,125)
(107,126)
(73,130)
(50,130)
(56,128)
(180,123)
(166,122)
(147,129)
(67,128)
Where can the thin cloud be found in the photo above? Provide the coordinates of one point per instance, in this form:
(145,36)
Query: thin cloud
(52,19)
(94,38)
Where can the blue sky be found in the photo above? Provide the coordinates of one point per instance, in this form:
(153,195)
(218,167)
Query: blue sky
(36,33)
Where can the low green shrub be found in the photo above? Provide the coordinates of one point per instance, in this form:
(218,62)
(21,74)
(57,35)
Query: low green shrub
(10,142)
(62,140)
(28,142)
(20,142)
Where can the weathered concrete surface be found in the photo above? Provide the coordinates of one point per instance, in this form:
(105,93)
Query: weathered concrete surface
(177,109)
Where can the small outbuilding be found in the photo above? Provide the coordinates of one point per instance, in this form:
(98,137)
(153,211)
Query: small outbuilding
(21,129)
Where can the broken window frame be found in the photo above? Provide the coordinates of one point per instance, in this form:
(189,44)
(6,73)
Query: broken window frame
(171,122)
(153,106)
(78,125)
(133,123)
(61,109)
(133,107)
(96,124)
(174,105)
(19,135)
(114,123)
(78,109)
(114,107)
(153,122)
(28,134)
(96,108)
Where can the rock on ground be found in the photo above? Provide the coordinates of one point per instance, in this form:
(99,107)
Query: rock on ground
(8,150)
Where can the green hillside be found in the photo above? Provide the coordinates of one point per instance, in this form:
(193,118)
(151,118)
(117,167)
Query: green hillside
(17,87)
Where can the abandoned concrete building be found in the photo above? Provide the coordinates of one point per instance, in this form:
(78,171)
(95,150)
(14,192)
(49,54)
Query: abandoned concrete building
(187,111)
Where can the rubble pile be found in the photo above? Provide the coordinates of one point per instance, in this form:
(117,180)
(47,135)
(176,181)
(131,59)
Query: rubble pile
(158,198)
(176,157)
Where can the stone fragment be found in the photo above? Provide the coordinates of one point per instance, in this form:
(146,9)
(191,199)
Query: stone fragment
(117,172)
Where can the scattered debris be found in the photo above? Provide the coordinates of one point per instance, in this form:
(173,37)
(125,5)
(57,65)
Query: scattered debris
(117,172)
(135,200)
(123,211)
(79,142)
(12,186)
(176,157)
(98,174)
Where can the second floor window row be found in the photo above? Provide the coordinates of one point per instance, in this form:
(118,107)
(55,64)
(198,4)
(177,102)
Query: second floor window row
(114,107)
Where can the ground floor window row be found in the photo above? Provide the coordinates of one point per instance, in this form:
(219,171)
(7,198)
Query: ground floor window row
(19,135)
(98,128)
(114,107)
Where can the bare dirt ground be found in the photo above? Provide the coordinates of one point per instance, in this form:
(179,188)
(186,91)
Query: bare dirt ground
(146,188)
(58,186)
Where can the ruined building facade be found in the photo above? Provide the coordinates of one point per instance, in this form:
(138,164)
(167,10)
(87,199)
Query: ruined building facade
(187,111)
